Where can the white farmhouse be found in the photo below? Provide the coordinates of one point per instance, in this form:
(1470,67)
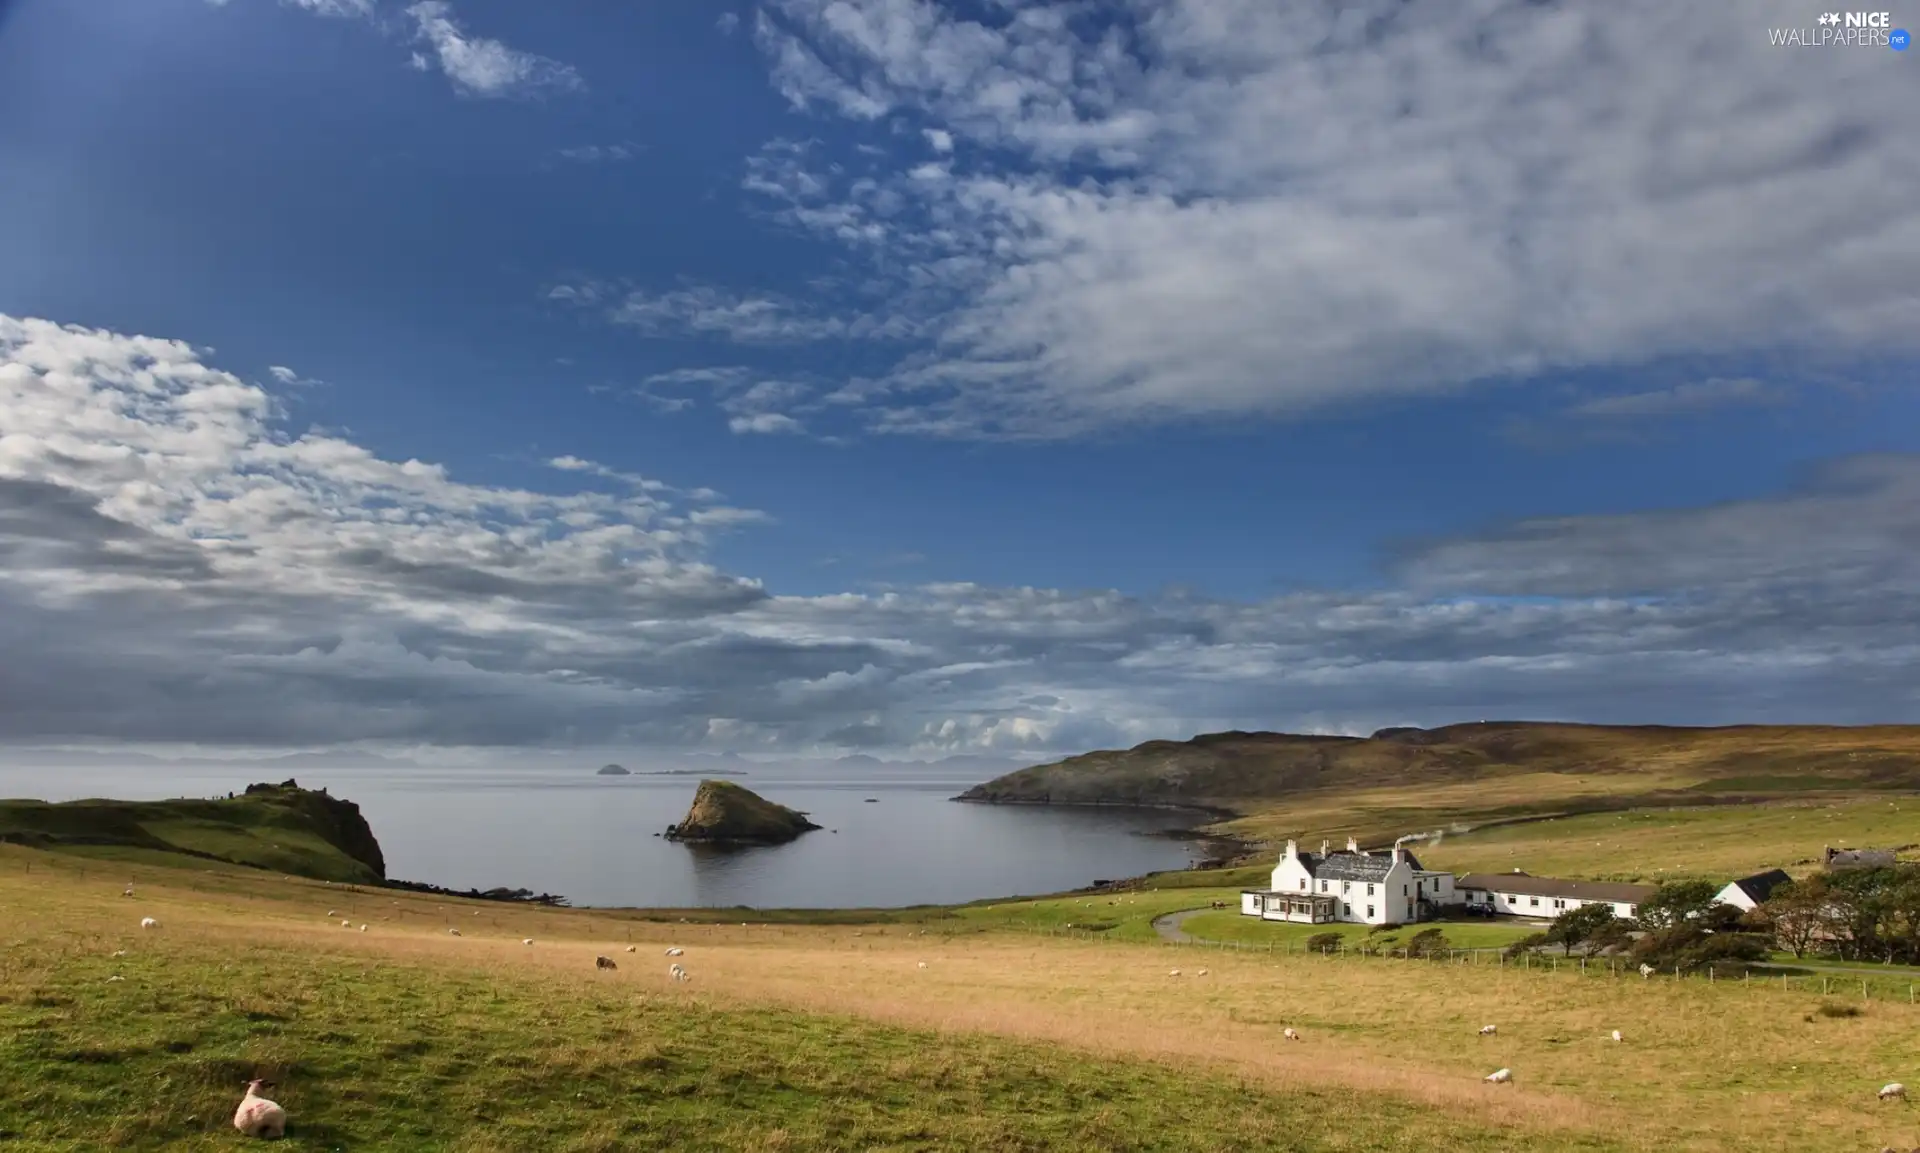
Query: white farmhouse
(1519,894)
(1747,892)
(1389,888)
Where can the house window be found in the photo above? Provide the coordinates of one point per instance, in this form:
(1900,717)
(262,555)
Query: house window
(1409,910)
(1323,886)
(1559,904)
(1369,890)
(1346,886)
(1346,910)
(1303,882)
(1533,902)
(1369,912)
(1403,890)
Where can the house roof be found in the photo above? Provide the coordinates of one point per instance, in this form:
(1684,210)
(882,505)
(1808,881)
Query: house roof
(1858,858)
(1527,885)
(1352,866)
(1761,885)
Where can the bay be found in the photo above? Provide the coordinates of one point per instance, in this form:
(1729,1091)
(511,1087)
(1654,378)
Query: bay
(591,838)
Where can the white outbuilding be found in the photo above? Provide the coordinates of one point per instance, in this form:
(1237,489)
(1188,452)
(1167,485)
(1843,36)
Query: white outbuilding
(1747,892)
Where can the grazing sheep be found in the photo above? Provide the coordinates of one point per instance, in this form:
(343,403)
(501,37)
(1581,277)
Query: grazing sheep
(333,913)
(128,892)
(453,932)
(149,923)
(1893,1090)
(677,972)
(257,1116)
(1489,1030)
(1500,1076)
(526,940)
(346,924)
(1201,973)
(923,964)
(1290,1034)
(1647,971)
(115,977)
(633,948)
(1616,1034)
(604,963)
(1173,972)
(363,928)
(676,952)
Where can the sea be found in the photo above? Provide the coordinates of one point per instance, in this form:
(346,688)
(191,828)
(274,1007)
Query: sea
(891,836)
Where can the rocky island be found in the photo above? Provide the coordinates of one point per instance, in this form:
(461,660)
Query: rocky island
(614,771)
(724,813)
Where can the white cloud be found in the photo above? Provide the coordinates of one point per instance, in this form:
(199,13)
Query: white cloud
(345,9)
(1205,208)
(178,564)
(939,139)
(765,422)
(482,67)
(1682,399)
(728,23)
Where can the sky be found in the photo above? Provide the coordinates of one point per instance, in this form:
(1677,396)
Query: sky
(1008,378)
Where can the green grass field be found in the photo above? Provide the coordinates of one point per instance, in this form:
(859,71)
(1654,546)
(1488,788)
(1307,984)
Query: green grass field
(1233,926)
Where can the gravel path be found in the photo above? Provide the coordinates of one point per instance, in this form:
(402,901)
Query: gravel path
(1168,925)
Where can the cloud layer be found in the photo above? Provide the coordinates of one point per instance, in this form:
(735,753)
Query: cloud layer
(1203,208)
(179,564)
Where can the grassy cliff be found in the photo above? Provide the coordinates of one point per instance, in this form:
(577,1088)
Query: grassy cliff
(280,827)
(724,813)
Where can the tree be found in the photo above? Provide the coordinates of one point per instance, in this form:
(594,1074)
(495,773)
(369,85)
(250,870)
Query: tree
(1578,925)
(1798,914)
(1675,903)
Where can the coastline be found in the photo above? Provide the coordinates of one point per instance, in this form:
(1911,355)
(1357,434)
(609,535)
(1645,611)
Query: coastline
(1223,847)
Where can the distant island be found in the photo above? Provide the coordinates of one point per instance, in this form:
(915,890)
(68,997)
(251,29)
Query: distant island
(614,771)
(724,813)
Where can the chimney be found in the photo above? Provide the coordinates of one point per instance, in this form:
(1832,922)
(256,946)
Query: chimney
(1399,854)
(1353,846)
(1324,846)
(1292,851)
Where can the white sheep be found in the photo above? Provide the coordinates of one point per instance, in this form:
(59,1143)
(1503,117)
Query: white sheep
(1290,1033)
(633,948)
(453,932)
(119,952)
(149,923)
(526,940)
(923,964)
(115,977)
(1616,1034)
(128,892)
(1500,1076)
(1201,973)
(676,952)
(1647,971)
(1489,1030)
(346,924)
(1173,972)
(676,971)
(333,913)
(1893,1090)
(363,928)
(257,1116)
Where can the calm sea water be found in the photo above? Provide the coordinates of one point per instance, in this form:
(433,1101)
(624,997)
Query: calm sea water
(591,839)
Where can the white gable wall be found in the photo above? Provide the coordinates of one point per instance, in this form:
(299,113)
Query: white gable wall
(1736,896)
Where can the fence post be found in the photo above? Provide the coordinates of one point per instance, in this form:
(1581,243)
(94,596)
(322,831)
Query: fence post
(1825,986)
(1863,989)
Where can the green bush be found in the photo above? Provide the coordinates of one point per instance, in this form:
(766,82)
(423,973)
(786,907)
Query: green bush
(1428,944)
(1323,943)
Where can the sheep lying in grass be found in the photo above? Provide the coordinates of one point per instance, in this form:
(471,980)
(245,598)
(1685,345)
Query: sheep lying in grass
(604,963)
(1893,1091)
(149,923)
(257,1116)
(676,952)
(1173,972)
(119,952)
(1489,1030)
(1500,1076)
(333,912)
(128,892)
(526,940)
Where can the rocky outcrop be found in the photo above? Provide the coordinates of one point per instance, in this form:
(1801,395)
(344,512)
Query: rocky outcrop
(614,771)
(338,821)
(724,813)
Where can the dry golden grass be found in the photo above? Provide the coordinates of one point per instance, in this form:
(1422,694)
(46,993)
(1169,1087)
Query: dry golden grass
(1704,1068)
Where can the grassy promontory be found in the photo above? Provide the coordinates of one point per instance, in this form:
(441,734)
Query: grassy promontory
(1566,797)
(283,827)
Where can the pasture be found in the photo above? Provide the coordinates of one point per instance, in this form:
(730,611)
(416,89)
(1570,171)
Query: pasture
(797,1036)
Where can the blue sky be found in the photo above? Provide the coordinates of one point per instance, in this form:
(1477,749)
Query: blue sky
(1180,366)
